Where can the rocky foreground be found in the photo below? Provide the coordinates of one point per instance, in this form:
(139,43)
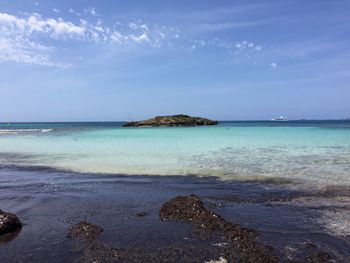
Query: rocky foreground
(239,244)
(174,120)
(9,226)
(164,219)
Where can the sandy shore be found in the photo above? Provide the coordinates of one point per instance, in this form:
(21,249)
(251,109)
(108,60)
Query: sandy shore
(127,208)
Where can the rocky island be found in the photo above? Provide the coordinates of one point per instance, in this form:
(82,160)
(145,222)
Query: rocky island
(174,120)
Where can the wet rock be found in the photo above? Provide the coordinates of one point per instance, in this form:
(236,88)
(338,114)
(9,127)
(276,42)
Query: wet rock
(84,231)
(98,251)
(9,223)
(191,209)
(310,245)
(142,214)
(319,257)
(242,246)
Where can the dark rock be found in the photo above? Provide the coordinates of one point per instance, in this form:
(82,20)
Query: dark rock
(99,251)
(191,209)
(242,246)
(310,245)
(9,223)
(142,214)
(174,120)
(84,231)
(319,257)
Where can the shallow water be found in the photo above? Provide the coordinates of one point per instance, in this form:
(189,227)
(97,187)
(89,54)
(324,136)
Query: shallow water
(316,153)
(49,202)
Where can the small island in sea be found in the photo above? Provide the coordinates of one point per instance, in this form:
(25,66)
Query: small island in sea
(173,120)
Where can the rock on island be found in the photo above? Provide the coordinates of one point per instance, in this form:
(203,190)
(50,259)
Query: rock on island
(174,120)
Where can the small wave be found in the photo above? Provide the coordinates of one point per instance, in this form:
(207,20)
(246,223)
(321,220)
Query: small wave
(336,223)
(23,131)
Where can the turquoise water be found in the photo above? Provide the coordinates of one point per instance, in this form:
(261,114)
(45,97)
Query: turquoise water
(314,152)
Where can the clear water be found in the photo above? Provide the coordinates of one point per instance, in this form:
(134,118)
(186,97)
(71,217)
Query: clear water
(314,152)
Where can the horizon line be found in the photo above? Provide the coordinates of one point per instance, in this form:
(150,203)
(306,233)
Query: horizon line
(233,120)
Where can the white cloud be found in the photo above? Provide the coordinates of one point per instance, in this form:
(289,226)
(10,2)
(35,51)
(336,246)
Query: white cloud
(32,38)
(246,45)
(144,27)
(243,48)
(35,25)
(12,25)
(19,38)
(91,10)
(132,25)
(274,65)
(22,50)
(141,38)
(116,37)
(99,29)
(22,38)
(56,10)
(138,26)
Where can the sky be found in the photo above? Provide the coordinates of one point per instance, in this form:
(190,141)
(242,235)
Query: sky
(129,60)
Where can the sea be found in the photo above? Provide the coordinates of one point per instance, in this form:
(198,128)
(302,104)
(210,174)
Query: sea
(288,180)
(308,153)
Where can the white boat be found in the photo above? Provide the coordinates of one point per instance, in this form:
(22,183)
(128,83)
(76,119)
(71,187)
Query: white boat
(281,118)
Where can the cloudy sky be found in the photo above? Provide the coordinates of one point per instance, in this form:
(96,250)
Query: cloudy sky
(127,60)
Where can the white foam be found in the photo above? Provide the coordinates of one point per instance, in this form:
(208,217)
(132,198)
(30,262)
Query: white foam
(46,130)
(19,131)
(334,212)
(337,222)
(221,260)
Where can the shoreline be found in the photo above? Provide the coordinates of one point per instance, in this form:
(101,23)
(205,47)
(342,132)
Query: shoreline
(49,202)
(307,187)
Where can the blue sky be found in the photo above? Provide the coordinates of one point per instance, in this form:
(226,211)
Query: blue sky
(128,60)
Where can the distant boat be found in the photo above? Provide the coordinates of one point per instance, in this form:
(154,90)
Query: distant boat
(281,118)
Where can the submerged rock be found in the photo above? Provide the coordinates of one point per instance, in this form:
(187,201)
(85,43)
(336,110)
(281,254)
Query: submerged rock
(174,120)
(319,257)
(9,223)
(191,209)
(84,231)
(142,214)
(239,242)
(242,246)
